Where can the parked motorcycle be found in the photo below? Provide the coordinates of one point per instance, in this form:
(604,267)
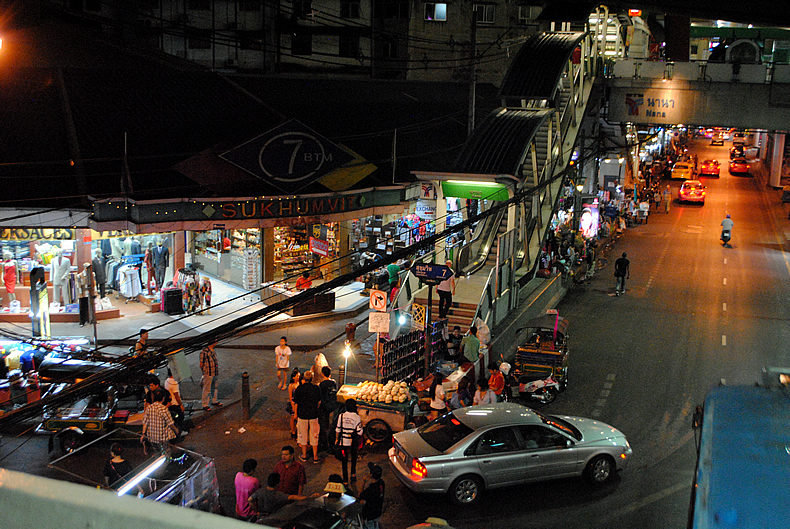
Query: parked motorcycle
(725,238)
(545,390)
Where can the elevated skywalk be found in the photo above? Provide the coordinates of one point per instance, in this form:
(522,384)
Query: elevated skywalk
(527,143)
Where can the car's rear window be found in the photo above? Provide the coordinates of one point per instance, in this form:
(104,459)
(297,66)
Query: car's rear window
(444,432)
(681,166)
(692,186)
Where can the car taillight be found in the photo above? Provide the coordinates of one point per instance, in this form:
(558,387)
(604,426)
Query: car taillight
(418,469)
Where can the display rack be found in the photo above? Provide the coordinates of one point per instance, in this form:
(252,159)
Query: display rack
(403,359)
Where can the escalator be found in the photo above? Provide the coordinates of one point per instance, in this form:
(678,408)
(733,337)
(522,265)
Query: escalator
(528,139)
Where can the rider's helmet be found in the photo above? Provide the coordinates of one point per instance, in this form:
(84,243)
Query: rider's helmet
(728,215)
(504,367)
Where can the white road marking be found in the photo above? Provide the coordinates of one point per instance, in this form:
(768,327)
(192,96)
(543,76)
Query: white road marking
(725,280)
(724,307)
(725,260)
(607,385)
(611,376)
(647,500)
(605,392)
(723,339)
(600,403)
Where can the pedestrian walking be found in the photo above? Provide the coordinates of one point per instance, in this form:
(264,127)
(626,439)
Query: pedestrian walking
(296,379)
(141,345)
(372,497)
(667,198)
(246,484)
(349,437)
(158,425)
(446,291)
(291,471)
(622,271)
(328,388)
(176,405)
(282,355)
(210,369)
(657,197)
(307,398)
(116,468)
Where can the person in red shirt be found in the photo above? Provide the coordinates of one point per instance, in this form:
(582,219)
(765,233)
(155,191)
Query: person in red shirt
(292,474)
(496,382)
(303,283)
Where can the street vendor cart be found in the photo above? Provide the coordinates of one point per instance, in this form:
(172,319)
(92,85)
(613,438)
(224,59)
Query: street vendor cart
(381,418)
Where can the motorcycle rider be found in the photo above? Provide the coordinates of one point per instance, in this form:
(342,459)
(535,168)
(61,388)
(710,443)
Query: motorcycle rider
(726,228)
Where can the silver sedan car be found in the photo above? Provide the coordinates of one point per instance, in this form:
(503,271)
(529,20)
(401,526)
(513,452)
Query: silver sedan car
(486,447)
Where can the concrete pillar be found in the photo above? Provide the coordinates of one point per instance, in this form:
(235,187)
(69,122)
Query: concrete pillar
(267,255)
(678,37)
(345,264)
(775,163)
(441,222)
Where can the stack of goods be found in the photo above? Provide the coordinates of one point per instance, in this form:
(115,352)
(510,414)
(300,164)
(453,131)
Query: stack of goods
(388,393)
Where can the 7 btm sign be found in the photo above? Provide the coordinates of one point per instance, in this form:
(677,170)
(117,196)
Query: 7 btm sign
(431,273)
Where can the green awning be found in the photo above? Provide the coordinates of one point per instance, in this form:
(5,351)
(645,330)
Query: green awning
(470,189)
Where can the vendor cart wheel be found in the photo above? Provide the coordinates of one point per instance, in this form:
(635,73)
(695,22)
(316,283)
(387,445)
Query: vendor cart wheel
(377,430)
(70,441)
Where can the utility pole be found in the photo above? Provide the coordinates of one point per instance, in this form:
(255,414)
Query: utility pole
(472,95)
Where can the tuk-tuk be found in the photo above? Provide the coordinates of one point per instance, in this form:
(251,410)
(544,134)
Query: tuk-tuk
(98,413)
(544,351)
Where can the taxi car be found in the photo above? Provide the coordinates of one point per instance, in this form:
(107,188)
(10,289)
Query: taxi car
(692,191)
(710,168)
(739,165)
(469,450)
(684,170)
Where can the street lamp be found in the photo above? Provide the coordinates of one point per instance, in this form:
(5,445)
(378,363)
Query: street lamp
(346,354)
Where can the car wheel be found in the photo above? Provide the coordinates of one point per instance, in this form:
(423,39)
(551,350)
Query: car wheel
(377,430)
(70,441)
(466,490)
(600,469)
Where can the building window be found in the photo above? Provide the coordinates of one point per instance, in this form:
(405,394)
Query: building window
(199,5)
(389,49)
(436,12)
(199,39)
(250,40)
(349,46)
(349,9)
(527,14)
(302,44)
(250,5)
(391,9)
(484,14)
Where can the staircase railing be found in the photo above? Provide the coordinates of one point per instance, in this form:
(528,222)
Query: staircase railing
(566,118)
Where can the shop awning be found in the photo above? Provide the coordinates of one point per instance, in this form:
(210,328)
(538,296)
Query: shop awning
(472,189)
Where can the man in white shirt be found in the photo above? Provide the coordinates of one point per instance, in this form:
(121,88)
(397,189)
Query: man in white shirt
(283,356)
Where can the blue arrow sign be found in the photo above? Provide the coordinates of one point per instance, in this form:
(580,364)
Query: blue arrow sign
(431,272)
